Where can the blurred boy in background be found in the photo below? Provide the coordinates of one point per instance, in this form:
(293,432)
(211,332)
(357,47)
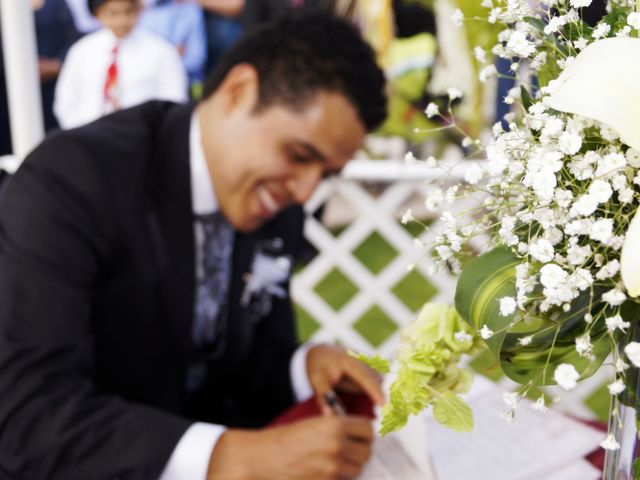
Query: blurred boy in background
(116,67)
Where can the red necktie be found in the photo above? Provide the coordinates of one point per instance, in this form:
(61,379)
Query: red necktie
(111,82)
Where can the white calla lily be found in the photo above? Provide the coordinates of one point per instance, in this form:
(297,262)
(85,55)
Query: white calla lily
(630,258)
(603,83)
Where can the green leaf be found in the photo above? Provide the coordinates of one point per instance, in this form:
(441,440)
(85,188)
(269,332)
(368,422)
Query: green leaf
(526,98)
(636,469)
(451,411)
(536,22)
(392,420)
(482,283)
(549,71)
(376,362)
(492,276)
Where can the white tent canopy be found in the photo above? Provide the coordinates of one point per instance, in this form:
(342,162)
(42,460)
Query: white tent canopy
(21,71)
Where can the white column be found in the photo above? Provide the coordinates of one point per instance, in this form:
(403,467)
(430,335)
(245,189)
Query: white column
(21,71)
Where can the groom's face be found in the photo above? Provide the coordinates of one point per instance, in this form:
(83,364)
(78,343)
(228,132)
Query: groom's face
(268,160)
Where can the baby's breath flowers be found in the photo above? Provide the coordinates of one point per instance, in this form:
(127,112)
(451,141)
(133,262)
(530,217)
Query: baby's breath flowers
(560,185)
(554,291)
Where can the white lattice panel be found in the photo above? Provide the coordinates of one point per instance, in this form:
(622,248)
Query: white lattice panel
(371,213)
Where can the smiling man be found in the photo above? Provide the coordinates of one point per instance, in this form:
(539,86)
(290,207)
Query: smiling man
(134,342)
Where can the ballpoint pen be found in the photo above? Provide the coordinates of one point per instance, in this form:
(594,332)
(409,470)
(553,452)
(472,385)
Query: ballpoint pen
(335,403)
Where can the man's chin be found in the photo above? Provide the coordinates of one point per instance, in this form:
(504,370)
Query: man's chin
(249,225)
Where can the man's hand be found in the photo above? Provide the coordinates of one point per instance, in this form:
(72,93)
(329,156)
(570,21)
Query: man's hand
(48,68)
(319,448)
(331,368)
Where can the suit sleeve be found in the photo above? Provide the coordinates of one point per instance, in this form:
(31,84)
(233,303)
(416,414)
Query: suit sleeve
(56,235)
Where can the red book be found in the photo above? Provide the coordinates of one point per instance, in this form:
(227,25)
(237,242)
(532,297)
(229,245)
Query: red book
(356,404)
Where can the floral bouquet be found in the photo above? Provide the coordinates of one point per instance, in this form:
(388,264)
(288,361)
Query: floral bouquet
(554,293)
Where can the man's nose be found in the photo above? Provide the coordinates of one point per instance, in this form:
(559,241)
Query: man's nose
(304,182)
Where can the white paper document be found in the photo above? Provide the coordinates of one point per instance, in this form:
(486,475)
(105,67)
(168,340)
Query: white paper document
(401,455)
(580,470)
(539,446)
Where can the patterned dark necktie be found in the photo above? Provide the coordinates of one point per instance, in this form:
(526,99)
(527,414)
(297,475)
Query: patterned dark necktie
(213,277)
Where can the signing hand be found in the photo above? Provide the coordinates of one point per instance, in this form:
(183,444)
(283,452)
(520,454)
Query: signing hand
(319,448)
(331,368)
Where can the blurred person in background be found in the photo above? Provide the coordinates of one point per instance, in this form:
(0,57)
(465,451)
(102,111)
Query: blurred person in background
(181,23)
(55,33)
(116,67)
(83,19)
(223,25)
(146,328)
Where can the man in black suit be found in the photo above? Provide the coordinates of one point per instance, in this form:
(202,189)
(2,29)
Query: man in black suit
(103,373)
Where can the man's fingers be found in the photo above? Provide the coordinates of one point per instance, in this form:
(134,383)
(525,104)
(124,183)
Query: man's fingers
(322,385)
(365,378)
(357,428)
(357,452)
(349,470)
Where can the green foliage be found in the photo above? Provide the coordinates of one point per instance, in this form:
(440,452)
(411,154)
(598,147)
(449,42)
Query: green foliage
(491,277)
(376,362)
(451,411)
(636,469)
(428,373)
(526,98)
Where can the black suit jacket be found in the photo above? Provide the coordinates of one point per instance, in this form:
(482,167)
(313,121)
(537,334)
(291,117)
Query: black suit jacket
(96,306)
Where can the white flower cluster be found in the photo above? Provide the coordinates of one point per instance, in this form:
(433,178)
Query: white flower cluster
(526,36)
(557,188)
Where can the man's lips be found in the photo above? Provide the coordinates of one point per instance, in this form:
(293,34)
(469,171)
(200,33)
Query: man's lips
(269,202)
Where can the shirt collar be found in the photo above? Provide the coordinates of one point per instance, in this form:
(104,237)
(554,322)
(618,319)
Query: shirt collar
(111,38)
(203,196)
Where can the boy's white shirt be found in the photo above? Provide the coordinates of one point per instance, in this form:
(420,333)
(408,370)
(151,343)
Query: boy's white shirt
(148,68)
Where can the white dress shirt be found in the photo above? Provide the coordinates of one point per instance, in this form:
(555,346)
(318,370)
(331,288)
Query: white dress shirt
(148,68)
(190,457)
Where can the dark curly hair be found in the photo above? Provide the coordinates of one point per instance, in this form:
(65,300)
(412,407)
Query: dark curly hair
(299,55)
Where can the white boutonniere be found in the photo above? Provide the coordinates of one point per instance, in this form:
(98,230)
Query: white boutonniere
(265,281)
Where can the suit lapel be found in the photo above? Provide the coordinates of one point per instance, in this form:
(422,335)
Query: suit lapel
(240,327)
(170,184)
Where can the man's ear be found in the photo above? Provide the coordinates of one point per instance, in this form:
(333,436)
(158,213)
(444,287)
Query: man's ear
(240,88)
